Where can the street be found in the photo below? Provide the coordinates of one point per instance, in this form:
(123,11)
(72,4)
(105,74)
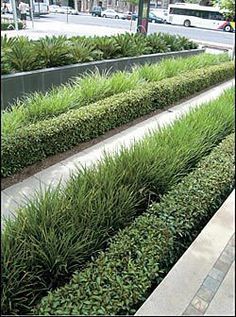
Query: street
(192,33)
(85,24)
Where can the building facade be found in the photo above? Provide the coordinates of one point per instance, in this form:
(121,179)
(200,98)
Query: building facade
(120,5)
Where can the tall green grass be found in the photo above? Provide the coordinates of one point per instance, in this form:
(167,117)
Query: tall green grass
(93,87)
(119,280)
(56,234)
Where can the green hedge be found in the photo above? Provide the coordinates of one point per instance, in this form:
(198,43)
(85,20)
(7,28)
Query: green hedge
(48,137)
(120,279)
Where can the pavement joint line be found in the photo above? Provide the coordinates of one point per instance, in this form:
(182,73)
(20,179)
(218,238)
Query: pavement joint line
(201,304)
(125,138)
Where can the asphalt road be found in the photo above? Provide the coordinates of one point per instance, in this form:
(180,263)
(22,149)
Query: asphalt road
(216,36)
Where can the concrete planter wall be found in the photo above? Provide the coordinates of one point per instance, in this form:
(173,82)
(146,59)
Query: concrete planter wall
(14,86)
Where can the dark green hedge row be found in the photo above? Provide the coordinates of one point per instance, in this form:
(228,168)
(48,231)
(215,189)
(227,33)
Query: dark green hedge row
(120,278)
(48,137)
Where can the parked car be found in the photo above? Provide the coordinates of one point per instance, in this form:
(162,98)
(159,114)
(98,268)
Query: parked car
(96,11)
(127,15)
(109,13)
(161,13)
(134,16)
(54,8)
(152,18)
(65,10)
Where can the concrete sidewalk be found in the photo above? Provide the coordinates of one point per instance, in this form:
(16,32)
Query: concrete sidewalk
(202,281)
(17,195)
(44,28)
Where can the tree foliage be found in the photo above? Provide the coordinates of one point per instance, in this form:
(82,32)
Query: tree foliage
(226,5)
(133,2)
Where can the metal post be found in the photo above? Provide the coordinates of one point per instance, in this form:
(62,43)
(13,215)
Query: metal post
(32,13)
(13,4)
(76,5)
(233,50)
(39,8)
(131,23)
(143,15)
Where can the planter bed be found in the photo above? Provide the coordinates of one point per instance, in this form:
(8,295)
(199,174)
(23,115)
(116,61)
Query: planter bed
(22,54)
(120,279)
(45,79)
(95,86)
(34,143)
(58,232)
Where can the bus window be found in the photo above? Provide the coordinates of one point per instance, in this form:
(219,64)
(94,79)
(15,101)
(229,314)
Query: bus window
(216,16)
(205,14)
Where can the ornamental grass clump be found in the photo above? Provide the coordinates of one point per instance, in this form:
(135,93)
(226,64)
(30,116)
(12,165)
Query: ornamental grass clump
(136,260)
(94,87)
(58,232)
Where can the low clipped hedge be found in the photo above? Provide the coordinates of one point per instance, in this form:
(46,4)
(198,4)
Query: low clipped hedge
(37,141)
(119,280)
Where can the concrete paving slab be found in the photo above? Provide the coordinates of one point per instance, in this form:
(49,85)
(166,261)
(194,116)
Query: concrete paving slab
(216,274)
(205,294)
(223,303)
(179,287)
(8,206)
(199,303)
(44,28)
(211,284)
(25,190)
(54,175)
(192,311)
(158,121)
(114,144)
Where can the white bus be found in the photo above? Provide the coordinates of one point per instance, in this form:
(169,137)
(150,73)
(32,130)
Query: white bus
(199,16)
(40,7)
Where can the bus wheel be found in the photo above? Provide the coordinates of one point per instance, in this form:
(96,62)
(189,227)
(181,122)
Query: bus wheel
(227,28)
(187,23)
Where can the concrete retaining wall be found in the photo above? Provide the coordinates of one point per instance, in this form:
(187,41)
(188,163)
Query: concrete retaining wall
(14,86)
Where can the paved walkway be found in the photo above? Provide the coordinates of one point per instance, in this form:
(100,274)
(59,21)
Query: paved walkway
(202,281)
(16,195)
(44,28)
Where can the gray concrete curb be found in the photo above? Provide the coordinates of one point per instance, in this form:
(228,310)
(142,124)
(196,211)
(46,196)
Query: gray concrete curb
(189,287)
(17,85)
(17,195)
(216,45)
